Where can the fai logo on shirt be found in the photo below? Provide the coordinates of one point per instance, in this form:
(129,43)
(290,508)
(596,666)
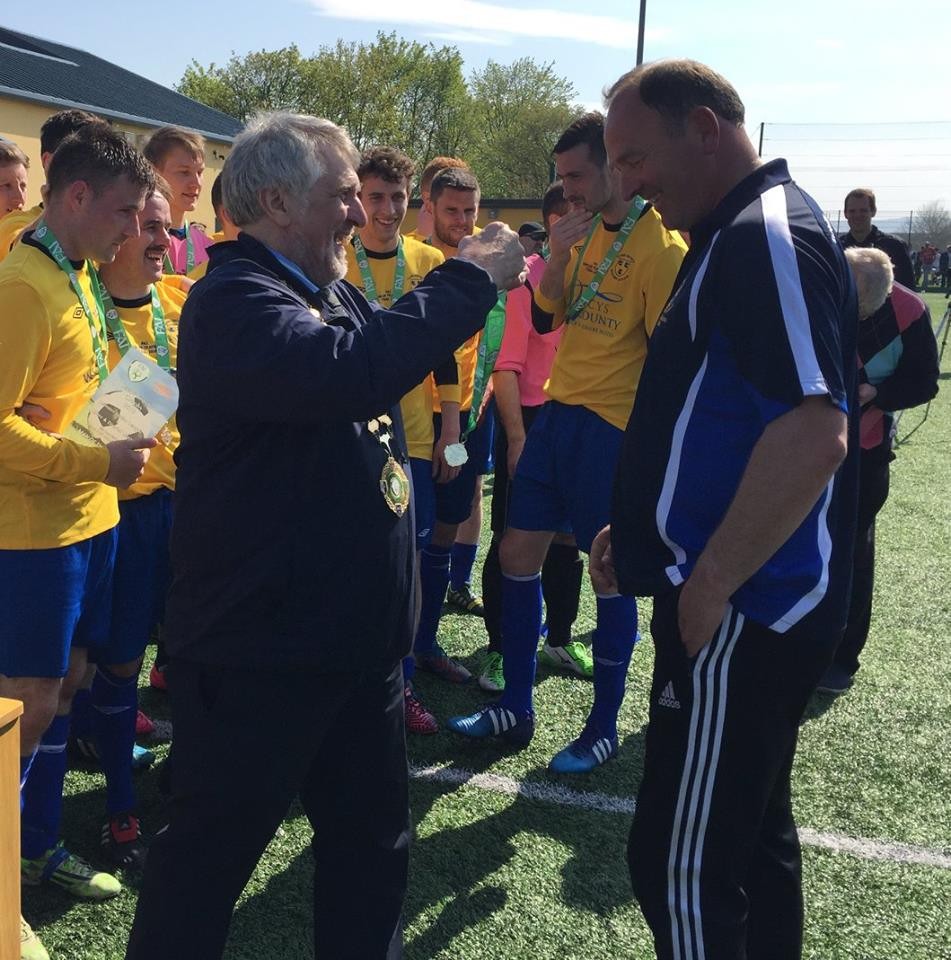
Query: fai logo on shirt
(621,268)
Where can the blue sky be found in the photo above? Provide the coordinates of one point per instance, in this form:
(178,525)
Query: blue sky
(826,62)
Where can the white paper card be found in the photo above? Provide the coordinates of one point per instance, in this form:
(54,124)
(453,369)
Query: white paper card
(135,400)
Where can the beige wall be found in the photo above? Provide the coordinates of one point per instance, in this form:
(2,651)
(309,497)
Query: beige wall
(513,216)
(20,121)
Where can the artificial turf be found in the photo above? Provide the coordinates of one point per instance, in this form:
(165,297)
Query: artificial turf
(500,876)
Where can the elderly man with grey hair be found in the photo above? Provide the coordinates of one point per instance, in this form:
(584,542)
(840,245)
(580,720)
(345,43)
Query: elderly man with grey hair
(293,497)
(898,360)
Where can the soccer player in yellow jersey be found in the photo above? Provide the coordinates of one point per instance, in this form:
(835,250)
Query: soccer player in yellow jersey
(424,219)
(384,266)
(53,132)
(179,156)
(454,204)
(58,508)
(612,268)
(148,310)
(14,168)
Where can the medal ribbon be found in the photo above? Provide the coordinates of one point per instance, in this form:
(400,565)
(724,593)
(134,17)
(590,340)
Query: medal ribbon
(369,286)
(189,255)
(117,329)
(637,207)
(44,236)
(489,345)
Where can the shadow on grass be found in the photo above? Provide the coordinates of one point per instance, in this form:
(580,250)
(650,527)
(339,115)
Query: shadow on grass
(455,865)
(820,704)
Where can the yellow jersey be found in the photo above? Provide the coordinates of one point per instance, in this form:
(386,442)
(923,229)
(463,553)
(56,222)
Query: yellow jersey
(136,316)
(198,271)
(417,406)
(13,224)
(51,489)
(602,350)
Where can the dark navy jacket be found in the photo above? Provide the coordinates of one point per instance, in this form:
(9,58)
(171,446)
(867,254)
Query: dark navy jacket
(283,548)
(763,314)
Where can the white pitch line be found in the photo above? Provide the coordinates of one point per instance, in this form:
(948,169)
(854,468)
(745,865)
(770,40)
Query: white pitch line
(604,803)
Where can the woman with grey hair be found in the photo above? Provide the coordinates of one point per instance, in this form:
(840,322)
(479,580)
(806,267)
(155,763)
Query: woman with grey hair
(898,360)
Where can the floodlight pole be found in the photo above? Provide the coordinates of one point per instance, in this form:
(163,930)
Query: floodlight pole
(640,33)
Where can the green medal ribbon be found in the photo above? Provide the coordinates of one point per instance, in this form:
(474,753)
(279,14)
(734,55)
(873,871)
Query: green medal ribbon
(44,236)
(489,346)
(163,355)
(189,255)
(369,286)
(637,207)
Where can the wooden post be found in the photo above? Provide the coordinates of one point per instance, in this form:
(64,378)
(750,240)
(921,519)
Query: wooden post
(10,711)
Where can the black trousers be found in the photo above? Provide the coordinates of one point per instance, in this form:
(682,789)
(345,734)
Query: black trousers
(713,850)
(247,742)
(873,492)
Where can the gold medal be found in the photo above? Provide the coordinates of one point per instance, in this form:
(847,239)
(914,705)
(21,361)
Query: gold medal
(394,485)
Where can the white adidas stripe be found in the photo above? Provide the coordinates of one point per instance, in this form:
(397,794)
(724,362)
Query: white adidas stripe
(696,787)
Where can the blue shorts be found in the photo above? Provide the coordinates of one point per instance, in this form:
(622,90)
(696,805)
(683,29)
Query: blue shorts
(454,499)
(424,500)
(52,600)
(565,476)
(141,578)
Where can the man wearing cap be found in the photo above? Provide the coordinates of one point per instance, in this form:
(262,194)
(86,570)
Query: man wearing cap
(532,237)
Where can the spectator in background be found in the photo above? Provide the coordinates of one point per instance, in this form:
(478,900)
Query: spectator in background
(928,256)
(944,267)
(532,237)
(859,210)
(898,360)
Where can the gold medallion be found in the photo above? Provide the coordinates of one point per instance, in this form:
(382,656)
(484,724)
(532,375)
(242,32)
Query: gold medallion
(394,485)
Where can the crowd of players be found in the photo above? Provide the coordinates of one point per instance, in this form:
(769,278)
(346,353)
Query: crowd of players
(543,392)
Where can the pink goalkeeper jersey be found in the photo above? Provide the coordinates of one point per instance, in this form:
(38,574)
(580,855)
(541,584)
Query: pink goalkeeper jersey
(524,350)
(178,251)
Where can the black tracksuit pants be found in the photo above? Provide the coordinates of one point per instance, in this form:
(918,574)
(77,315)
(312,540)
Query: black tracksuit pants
(873,492)
(713,851)
(247,742)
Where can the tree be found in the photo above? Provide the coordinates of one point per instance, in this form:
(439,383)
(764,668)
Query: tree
(408,95)
(266,80)
(393,91)
(931,221)
(519,111)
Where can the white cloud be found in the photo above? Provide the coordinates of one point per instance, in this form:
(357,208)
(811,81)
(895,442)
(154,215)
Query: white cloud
(468,36)
(488,19)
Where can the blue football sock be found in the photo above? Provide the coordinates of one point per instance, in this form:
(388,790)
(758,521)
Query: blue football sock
(433,581)
(409,670)
(612,644)
(521,622)
(463,557)
(25,764)
(80,724)
(114,701)
(43,791)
